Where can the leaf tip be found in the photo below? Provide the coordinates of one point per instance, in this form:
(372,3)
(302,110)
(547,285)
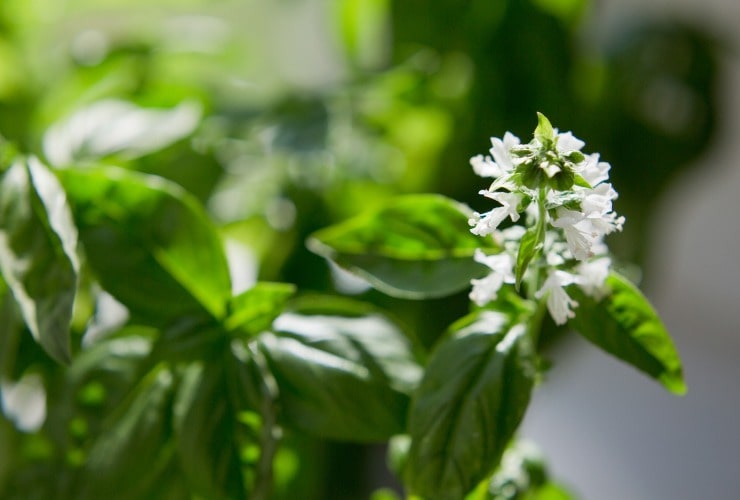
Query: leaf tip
(675,385)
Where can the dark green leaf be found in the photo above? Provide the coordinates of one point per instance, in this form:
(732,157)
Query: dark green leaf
(472,398)
(625,325)
(254,310)
(342,377)
(563,180)
(419,246)
(38,253)
(132,450)
(204,428)
(531,174)
(576,157)
(149,242)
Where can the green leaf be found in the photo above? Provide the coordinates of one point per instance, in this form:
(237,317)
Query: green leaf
(580,181)
(552,491)
(254,310)
(530,244)
(576,157)
(204,428)
(471,400)
(132,450)
(345,378)
(38,256)
(544,131)
(418,246)
(625,325)
(149,242)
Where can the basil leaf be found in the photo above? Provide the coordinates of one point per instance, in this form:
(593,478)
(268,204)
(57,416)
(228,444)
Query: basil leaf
(471,400)
(38,257)
(625,325)
(416,247)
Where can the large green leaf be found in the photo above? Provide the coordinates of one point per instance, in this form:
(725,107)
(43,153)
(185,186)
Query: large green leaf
(204,428)
(132,451)
(344,378)
(471,400)
(625,325)
(149,242)
(38,256)
(418,246)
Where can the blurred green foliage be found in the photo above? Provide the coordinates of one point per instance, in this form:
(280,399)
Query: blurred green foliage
(285,117)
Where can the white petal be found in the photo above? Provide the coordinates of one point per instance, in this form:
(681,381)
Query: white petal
(485,167)
(567,143)
(593,170)
(559,304)
(485,290)
(592,276)
(501,151)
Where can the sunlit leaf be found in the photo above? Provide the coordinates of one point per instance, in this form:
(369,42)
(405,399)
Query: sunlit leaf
(150,243)
(38,256)
(471,400)
(625,325)
(418,246)
(254,310)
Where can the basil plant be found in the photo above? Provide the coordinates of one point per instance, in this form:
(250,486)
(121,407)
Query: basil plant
(538,251)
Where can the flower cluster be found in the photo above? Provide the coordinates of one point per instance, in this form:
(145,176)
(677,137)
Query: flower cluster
(567,208)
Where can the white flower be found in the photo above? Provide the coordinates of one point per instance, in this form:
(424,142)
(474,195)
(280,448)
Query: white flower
(502,271)
(567,143)
(579,232)
(598,200)
(556,250)
(500,163)
(485,167)
(606,223)
(558,302)
(592,275)
(501,151)
(485,224)
(593,170)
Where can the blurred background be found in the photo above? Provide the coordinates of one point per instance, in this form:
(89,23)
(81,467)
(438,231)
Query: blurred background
(286,116)
(607,432)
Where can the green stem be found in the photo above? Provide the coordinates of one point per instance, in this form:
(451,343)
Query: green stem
(534,327)
(535,276)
